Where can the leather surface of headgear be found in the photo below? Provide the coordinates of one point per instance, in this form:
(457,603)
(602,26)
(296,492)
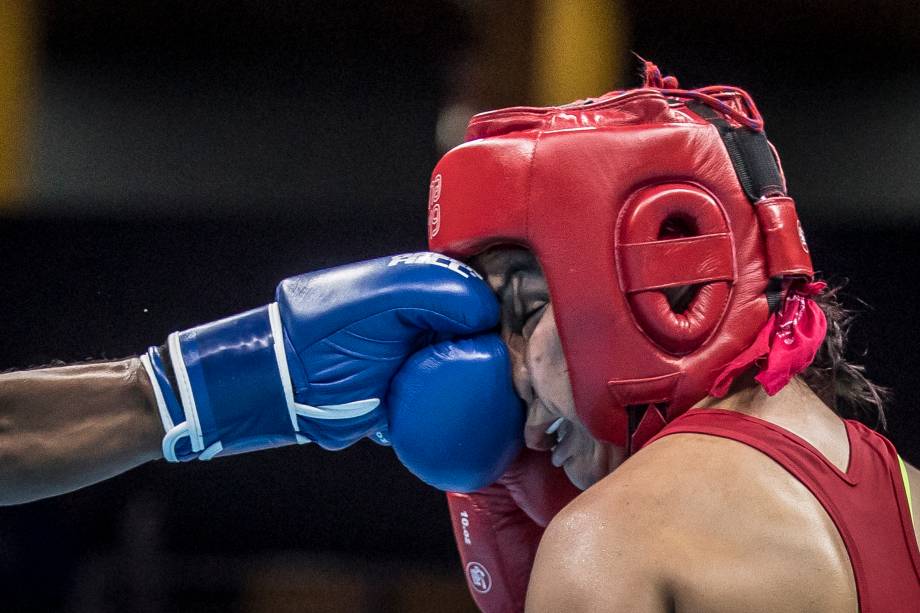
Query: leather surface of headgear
(619,198)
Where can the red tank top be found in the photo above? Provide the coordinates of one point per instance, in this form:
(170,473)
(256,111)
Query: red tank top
(867,503)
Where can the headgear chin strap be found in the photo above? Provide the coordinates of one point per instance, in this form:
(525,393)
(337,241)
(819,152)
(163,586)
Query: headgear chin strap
(620,198)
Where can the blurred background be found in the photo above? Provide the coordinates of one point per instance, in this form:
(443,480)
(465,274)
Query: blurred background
(164,163)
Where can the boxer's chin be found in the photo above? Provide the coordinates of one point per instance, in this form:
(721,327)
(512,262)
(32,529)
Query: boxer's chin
(593,461)
(580,478)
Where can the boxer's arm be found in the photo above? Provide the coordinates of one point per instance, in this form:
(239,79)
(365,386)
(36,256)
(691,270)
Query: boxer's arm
(314,366)
(67,427)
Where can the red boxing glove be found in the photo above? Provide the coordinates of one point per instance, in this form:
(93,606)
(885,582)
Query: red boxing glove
(498,529)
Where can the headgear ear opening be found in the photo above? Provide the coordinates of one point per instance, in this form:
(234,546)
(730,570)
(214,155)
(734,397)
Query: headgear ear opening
(704,259)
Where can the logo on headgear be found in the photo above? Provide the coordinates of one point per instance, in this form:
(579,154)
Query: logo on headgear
(434,207)
(479,577)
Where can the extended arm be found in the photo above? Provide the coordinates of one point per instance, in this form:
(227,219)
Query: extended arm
(67,427)
(378,349)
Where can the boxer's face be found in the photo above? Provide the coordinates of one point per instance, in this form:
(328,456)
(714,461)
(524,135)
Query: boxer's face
(541,377)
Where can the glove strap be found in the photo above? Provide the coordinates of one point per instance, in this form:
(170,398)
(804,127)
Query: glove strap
(233,391)
(177,444)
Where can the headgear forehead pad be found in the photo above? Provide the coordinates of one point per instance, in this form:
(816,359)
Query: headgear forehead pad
(620,198)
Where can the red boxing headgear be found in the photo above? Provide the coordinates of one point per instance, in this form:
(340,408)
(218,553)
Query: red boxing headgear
(595,189)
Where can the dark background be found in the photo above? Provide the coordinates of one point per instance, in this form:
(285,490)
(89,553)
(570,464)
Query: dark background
(184,157)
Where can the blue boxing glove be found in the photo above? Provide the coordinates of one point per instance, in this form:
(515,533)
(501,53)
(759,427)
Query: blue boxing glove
(455,420)
(316,365)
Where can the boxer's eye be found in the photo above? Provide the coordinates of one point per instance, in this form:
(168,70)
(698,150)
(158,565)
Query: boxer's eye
(534,298)
(526,298)
(532,318)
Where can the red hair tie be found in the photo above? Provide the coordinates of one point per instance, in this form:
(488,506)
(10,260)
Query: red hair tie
(785,346)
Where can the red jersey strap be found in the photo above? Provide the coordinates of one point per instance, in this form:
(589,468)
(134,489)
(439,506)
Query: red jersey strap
(867,502)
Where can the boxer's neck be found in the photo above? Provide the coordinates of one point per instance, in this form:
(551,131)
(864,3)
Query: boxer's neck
(795,407)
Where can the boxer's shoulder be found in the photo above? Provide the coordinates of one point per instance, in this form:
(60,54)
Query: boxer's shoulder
(589,560)
(689,519)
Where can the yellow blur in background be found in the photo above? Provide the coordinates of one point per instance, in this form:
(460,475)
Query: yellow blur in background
(578,49)
(17,61)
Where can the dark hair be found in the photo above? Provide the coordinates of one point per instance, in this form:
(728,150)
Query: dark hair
(840,383)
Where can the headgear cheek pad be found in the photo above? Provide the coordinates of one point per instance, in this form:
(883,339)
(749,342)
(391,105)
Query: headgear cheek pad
(621,198)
